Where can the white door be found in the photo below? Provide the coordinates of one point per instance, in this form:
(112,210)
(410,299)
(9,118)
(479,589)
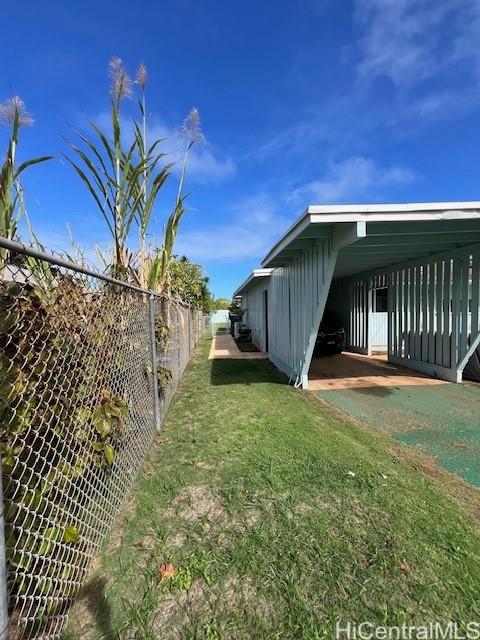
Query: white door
(378,327)
(378,320)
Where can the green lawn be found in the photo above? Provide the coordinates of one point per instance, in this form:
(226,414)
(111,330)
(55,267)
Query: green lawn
(279,517)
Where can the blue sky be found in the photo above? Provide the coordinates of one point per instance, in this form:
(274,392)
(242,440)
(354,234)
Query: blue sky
(308,102)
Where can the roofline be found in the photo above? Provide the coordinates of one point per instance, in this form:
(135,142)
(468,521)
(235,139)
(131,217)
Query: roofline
(392,208)
(256,273)
(328,214)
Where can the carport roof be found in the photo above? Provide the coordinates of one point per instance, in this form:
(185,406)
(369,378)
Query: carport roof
(378,235)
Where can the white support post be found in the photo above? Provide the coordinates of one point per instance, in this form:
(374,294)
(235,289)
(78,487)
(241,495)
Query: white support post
(464,361)
(317,319)
(343,236)
(368,311)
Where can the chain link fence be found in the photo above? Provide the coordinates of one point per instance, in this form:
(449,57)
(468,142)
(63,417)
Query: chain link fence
(89,366)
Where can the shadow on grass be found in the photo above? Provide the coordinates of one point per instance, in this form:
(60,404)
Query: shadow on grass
(93,597)
(226,371)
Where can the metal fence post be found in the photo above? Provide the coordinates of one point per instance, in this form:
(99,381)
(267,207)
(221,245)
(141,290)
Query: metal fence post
(3,570)
(153,354)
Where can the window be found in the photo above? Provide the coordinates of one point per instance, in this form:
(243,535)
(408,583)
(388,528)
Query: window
(380,300)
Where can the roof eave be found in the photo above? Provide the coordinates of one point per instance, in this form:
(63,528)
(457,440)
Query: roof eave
(328,214)
(257,274)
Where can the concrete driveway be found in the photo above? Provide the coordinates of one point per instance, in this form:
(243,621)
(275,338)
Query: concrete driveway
(438,418)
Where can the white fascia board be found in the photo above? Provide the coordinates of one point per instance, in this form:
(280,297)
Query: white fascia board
(297,227)
(262,273)
(394,212)
(256,273)
(386,208)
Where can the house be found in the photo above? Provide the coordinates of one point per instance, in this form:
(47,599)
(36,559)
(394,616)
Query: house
(402,277)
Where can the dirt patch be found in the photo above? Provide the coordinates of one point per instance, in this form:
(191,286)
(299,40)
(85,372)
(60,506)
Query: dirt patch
(236,591)
(149,542)
(225,540)
(240,593)
(248,519)
(196,502)
(302,507)
(175,541)
(115,540)
(325,505)
(205,466)
(92,610)
(176,611)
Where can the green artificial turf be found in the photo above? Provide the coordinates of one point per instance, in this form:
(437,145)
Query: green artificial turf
(280,516)
(442,421)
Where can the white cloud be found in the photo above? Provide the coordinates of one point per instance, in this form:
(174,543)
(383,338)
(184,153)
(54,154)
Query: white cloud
(59,241)
(355,177)
(204,166)
(411,41)
(429,51)
(253,225)
(436,105)
(250,228)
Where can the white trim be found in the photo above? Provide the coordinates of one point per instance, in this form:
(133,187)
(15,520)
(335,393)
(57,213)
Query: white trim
(393,208)
(464,361)
(256,273)
(401,216)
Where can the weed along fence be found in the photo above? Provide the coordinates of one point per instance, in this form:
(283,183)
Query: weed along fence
(88,367)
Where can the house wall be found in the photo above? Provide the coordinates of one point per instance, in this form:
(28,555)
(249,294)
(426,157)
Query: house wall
(296,297)
(254,317)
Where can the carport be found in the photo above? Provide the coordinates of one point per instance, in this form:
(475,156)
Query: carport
(404,278)
(411,288)
(349,370)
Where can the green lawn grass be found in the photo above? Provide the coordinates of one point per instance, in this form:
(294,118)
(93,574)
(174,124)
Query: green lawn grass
(279,516)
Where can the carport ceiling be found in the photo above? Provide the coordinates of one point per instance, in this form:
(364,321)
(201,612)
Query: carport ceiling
(374,236)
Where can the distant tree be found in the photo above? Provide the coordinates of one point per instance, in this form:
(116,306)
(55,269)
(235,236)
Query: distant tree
(207,302)
(188,283)
(236,308)
(222,303)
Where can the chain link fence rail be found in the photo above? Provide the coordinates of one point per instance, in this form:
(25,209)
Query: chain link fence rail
(89,366)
